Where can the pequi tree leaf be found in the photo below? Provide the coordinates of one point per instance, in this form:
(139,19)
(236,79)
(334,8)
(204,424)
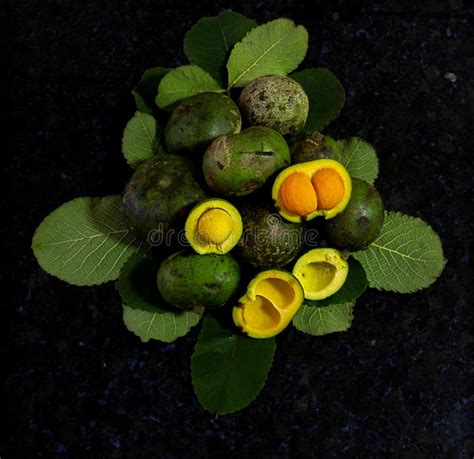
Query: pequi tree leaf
(147,89)
(145,313)
(275,48)
(359,158)
(85,241)
(141,139)
(208,43)
(229,370)
(407,255)
(184,82)
(326,97)
(320,321)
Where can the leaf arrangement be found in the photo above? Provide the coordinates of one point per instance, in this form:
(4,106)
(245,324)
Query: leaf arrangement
(88,241)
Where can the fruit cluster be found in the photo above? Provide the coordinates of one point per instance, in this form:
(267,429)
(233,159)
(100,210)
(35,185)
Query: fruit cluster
(204,134)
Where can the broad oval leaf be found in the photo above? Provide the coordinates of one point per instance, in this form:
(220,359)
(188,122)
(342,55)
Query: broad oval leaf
(229,370)
(407,255)
(275,48)
(147,89)
(208,43)
(144,311)
(326,97)
(319,321)
(184,82)
(85,241)
(141,139)
(359,158)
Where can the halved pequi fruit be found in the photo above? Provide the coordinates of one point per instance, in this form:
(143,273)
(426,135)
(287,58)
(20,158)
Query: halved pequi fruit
(186,279)
(308,190)
(321,272)
(273,297)
(213,226)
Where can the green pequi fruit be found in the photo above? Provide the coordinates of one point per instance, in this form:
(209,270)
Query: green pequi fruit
(277,102)
(197,121)
(239,164)
(187,279)
(268,240)
(160,192)
(360,223)
(316,146)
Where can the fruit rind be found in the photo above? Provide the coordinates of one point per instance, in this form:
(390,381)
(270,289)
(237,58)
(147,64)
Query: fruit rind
(272,299)
(329,273)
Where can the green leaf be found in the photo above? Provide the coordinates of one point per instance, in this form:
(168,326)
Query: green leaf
(85,241)
(209,41)
(147,89)
(359,158)
(320,321)
(407,255)
(229,370)
(326,97)
(144,311)
(141,139)
(184,82)
(275,48)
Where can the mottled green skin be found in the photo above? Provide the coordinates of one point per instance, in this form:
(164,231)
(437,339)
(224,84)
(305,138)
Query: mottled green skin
(360,222)
(197,121)
(316,146)
(241,163)
(277,102)
(160,192)
(268,241)
(187,279)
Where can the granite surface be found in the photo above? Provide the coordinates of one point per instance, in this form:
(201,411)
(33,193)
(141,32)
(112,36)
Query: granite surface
(78,384)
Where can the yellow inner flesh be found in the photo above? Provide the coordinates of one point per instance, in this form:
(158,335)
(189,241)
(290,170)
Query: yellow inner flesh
(329,188)
(214,227)
(279,292)
(316,276)
(261,314)
(273,296)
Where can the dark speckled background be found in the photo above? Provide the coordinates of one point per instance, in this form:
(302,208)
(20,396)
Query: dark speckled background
(79,385)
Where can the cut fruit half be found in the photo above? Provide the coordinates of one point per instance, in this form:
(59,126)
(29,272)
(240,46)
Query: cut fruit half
(321,272)
(273,297)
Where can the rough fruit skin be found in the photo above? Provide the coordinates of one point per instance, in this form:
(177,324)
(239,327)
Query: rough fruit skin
(298,195)
(360,223)
(187,279)
(277,102)
(316,146)
(197,121)
(159,193)
(239,164)
(268,240)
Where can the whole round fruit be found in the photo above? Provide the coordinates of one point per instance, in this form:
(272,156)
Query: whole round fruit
(316,146)
(160,192)
(187,279)
(268,240)
(277,102)
(360,222)
(197,121)
(239,164)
